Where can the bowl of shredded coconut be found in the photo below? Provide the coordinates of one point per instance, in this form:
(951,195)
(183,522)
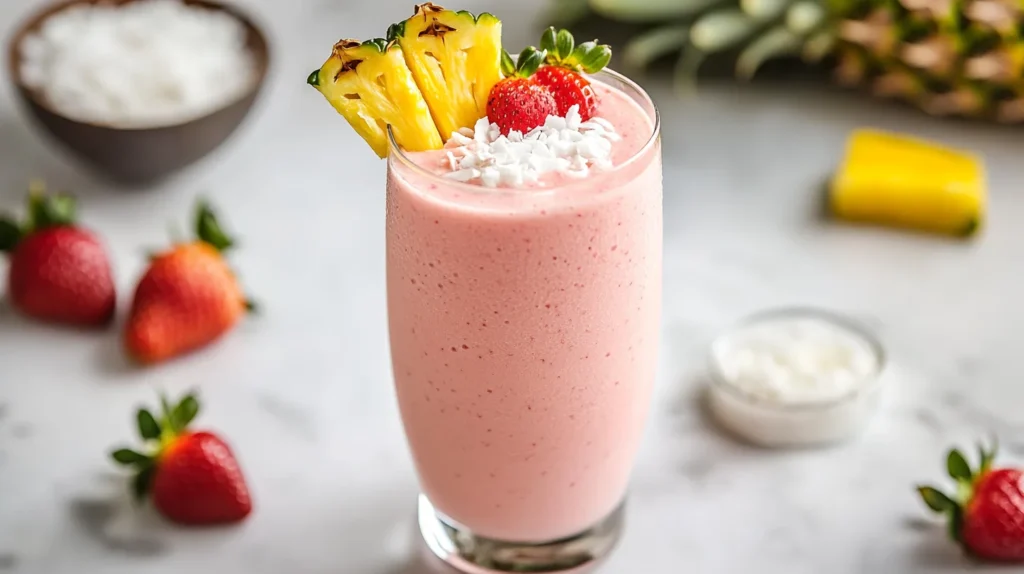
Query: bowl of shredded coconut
(139,89)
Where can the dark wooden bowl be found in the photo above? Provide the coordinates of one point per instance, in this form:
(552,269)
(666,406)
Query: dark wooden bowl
(139,156)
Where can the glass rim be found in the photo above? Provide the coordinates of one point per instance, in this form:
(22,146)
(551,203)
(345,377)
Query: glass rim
(396,151)
(870,383)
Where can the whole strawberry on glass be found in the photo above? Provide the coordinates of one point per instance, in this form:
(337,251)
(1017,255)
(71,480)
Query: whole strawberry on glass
(59,272)
(187,298)
(192,477)
(564,69)
(986,514)
(517,102)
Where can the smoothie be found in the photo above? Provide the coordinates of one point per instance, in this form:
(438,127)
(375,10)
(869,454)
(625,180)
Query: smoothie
(524,325)
(524,239)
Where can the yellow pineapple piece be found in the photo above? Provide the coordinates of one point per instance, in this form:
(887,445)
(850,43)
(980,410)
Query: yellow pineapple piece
(896,180)
(456,60)
(370,85)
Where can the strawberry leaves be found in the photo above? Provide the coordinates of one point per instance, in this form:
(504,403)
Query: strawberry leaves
(149,429)
(561,48)
(530,59)
(157,435)
(957,466)
(959,469)
(43,211)
(208,229)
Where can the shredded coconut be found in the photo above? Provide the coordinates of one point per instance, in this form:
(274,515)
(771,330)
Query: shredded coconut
(140,64)
(566,145)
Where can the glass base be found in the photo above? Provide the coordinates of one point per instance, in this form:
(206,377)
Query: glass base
(474,554)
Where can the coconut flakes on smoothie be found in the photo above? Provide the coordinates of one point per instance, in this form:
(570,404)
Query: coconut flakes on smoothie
(566,146)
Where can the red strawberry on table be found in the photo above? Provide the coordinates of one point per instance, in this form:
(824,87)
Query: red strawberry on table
(986,516)
(187,298)
(563,73)
(517,103)
(192,477)
(59,271)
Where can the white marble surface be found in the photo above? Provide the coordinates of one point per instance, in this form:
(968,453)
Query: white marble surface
(304,391)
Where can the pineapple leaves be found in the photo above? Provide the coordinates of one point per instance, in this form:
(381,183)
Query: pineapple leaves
(314,78)
(719,31)
(803,18)
(649,10)
(776,42)
(818,46)
(763,9)
(649,46)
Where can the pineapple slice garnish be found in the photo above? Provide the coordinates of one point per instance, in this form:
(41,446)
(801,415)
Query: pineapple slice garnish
(370,85)
(896,180)
(455,58)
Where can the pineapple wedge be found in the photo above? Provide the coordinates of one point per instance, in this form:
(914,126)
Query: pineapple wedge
(900,181)
(369,84)
(455,58)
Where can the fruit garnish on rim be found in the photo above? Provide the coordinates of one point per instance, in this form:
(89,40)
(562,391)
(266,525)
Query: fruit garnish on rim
(455,58)
(517,103)
(192,477)
(986,514)
(565,65)
(370,85)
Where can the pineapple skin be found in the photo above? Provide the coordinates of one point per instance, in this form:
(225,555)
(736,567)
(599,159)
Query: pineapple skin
(370,85)
(455,58)
(904,182)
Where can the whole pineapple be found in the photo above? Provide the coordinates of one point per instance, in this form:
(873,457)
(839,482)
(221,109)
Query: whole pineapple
(948,57)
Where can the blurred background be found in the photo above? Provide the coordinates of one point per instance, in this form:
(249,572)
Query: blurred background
(306,387)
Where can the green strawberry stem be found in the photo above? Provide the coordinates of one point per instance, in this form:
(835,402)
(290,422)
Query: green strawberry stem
(965,478)
(43,211)
(529,61)
(157,436)
(561,48)
(208,229)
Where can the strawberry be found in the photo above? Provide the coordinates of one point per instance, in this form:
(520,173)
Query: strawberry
(517,103)
(563,73)
(59,272)
(187,298)
(192,477)
(986,517)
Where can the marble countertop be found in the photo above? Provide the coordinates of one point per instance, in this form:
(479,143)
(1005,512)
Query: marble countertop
(304,391)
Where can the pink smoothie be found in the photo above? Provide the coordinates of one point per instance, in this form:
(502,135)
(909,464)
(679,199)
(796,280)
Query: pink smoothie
(524,328)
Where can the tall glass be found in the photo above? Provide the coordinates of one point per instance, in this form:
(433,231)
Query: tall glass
(524,330)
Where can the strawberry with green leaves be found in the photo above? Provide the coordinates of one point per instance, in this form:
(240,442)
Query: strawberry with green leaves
(517,103)
(59,271)
(192,477)
(565,65)
(986,514)
(187,298)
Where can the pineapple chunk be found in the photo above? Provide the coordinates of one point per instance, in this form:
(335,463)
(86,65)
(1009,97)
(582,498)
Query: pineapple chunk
(369,84)
(456,60)
(895,180)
